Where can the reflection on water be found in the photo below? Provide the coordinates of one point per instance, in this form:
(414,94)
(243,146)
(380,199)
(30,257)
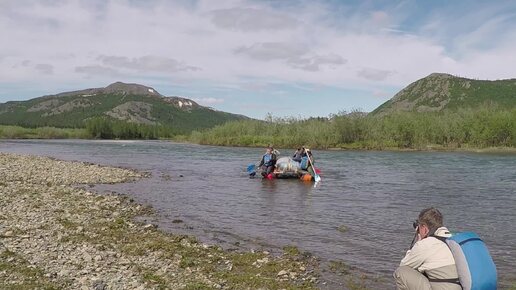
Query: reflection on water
(375,195)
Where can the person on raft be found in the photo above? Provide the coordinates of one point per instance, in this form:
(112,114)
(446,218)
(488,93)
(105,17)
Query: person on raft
(307,159)
(298,155)
(268,161)
(429,263)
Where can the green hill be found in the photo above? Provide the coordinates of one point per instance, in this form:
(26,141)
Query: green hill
(438,92)
(130,103)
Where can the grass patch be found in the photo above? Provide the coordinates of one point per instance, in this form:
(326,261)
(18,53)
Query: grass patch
(339,267)
(291,250)
(13,268)
(155,280)
(357,283)
(67,224)
(187,262)
(197,286)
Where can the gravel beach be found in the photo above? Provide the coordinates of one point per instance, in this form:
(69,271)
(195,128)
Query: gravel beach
(57,235)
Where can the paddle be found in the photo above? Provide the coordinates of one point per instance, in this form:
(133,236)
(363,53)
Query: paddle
(317,178)
(251,169)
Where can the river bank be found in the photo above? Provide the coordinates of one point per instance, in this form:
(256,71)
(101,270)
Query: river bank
(261,213)
(57,236)
(427,148)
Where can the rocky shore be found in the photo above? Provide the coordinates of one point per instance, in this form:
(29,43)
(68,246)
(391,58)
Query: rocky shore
(55,235)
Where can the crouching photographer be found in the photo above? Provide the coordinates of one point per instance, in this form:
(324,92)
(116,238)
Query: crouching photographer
(429,263)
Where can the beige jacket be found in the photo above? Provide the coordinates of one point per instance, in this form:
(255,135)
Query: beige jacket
(432,254)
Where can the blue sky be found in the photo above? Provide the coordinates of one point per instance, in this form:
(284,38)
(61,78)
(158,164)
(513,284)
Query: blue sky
(289,58)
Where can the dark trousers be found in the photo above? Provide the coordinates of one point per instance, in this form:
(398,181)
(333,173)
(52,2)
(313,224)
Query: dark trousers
(266,170)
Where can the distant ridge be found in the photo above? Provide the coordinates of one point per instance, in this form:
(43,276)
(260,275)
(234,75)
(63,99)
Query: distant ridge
(440,91)
(129,102)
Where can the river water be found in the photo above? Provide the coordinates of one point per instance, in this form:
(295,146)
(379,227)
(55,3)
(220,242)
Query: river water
(374,195)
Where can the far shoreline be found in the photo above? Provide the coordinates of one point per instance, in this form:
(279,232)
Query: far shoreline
(429,148)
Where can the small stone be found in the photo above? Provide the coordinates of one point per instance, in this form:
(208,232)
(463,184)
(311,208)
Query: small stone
(282,273)
(98,258)
(302,268)
(83,280)
(8,234)
(84,272)
(342,229)
(124,261)
(263,261)
(99,285)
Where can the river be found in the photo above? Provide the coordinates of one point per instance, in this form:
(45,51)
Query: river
(375,196)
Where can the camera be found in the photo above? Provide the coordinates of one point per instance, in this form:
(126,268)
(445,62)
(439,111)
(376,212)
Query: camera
(415,224)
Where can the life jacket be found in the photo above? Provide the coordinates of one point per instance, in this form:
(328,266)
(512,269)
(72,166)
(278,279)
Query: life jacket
(475,266)
(304,162)
(269,159)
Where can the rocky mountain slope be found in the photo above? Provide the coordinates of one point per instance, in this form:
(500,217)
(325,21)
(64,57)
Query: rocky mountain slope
(438,92)
(119,101)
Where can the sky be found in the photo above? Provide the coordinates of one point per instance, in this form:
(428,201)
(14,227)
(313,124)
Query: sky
(288,58)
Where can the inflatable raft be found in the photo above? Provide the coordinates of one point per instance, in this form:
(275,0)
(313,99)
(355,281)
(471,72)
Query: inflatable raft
(288,168)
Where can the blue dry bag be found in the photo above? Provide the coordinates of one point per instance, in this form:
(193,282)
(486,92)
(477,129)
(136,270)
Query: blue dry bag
(475,266)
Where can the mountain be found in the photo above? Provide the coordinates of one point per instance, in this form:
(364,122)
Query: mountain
(120,101)
(438,92)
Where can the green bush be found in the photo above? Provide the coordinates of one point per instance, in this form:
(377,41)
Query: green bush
(16,132)
(487,126)
(104,128)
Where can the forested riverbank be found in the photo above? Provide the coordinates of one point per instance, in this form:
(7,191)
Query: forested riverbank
(463,129)
(97,128)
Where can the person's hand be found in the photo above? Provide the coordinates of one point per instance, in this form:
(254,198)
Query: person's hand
(418,238)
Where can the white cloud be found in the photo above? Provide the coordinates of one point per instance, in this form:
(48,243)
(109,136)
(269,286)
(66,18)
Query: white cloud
(294,55)
(252,19)
(45,68)
(208,101)
(227,43)
(91,70)
(147,64)
(272,51)
(374,74)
